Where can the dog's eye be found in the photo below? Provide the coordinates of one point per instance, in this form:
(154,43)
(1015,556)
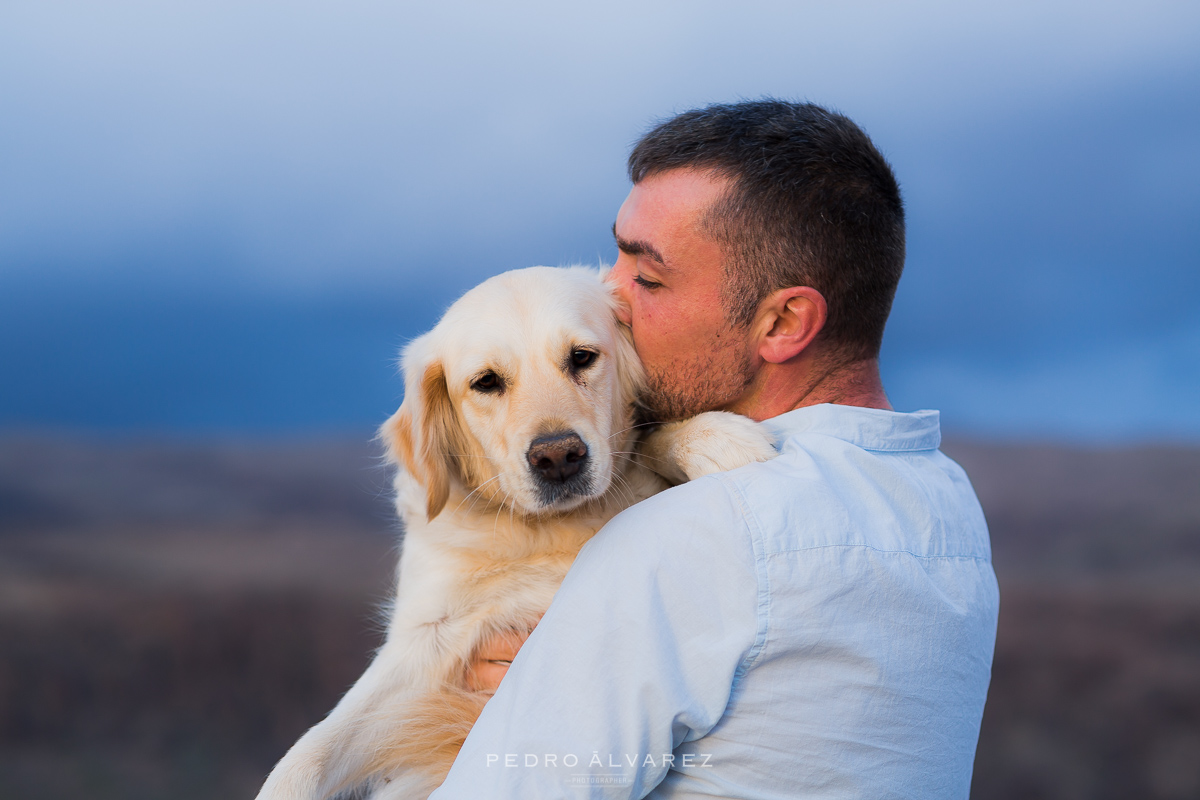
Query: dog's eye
(582,359)
(487,382)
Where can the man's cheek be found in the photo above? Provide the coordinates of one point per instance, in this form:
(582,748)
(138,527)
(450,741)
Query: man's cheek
(662,326)
(654,346)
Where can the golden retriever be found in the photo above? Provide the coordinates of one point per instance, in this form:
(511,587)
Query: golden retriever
(515,443)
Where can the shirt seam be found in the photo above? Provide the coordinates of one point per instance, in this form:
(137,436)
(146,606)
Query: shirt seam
(898,551)
(762,578)
(934,447)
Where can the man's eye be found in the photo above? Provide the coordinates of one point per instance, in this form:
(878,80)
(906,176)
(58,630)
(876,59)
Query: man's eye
(582,359)
(645,284)
(487,382)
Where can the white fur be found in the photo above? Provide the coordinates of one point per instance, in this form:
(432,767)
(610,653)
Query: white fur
(482,552)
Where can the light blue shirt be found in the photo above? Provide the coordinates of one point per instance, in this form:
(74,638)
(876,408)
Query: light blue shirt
(820,625)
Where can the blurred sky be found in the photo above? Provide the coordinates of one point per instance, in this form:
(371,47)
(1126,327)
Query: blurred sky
(227,216)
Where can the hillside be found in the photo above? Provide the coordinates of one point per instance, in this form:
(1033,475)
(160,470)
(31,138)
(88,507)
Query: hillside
(173,616)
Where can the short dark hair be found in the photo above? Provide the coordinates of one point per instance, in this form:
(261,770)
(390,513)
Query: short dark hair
(811,203)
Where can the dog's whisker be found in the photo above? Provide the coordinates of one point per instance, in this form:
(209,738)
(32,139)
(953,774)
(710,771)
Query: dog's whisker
(631,427)
(623,489)
(475,502)
(631,496)
(625,458)
(634,455)
(499,511)
(476,490)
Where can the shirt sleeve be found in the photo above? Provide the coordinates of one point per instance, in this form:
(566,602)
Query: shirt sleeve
(638,653)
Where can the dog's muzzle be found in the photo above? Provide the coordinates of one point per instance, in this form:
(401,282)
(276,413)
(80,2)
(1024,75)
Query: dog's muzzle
(561,466)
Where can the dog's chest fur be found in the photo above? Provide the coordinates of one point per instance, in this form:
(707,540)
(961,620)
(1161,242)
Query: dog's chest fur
(475,571)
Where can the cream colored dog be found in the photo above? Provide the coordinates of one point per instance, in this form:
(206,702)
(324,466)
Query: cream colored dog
(515,443)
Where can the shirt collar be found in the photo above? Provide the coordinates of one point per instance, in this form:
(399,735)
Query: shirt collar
(868,428)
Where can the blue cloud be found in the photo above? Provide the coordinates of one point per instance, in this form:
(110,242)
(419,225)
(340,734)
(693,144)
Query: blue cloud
(268,168)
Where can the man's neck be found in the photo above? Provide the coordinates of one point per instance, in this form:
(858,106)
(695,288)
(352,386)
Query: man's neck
(811,380)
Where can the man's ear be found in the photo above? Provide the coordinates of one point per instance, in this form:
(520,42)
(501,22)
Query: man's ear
(426,437)
(789,320)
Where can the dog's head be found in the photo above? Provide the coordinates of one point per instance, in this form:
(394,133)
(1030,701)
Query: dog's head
(522,394)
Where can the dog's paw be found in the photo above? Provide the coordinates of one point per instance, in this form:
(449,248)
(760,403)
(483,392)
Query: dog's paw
(715,441)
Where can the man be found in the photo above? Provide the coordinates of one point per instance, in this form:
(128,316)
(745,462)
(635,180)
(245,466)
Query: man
(818,625)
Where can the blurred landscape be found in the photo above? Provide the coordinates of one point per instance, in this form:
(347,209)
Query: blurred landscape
(220,221)
(173,615)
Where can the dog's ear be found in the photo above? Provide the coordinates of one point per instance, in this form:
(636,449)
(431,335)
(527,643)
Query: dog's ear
(426,437)
(631,376)
(397,437)
(442,443)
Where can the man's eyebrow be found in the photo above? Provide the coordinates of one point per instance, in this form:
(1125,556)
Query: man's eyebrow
(635,247)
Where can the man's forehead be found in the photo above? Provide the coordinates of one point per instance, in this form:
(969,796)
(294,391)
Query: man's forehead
(663,216)
(640,247)
(664,202)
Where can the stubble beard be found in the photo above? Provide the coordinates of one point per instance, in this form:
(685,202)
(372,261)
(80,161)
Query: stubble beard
(704,382)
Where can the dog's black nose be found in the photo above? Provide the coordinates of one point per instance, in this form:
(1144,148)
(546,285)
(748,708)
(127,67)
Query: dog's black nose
(557,457)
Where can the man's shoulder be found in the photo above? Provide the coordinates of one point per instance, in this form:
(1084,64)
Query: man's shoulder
(701,513)
(704,501)
(723,502)
(823,491)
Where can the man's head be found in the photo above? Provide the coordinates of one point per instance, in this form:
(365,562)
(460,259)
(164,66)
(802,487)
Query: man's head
(755,220)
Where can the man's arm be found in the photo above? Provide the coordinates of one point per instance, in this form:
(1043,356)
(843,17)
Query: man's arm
(638,653)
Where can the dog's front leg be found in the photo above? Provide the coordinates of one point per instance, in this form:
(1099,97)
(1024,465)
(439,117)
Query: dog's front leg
(345,748)
(714,441)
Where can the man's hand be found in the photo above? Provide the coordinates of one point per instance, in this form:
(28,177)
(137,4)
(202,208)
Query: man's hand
(491,661)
